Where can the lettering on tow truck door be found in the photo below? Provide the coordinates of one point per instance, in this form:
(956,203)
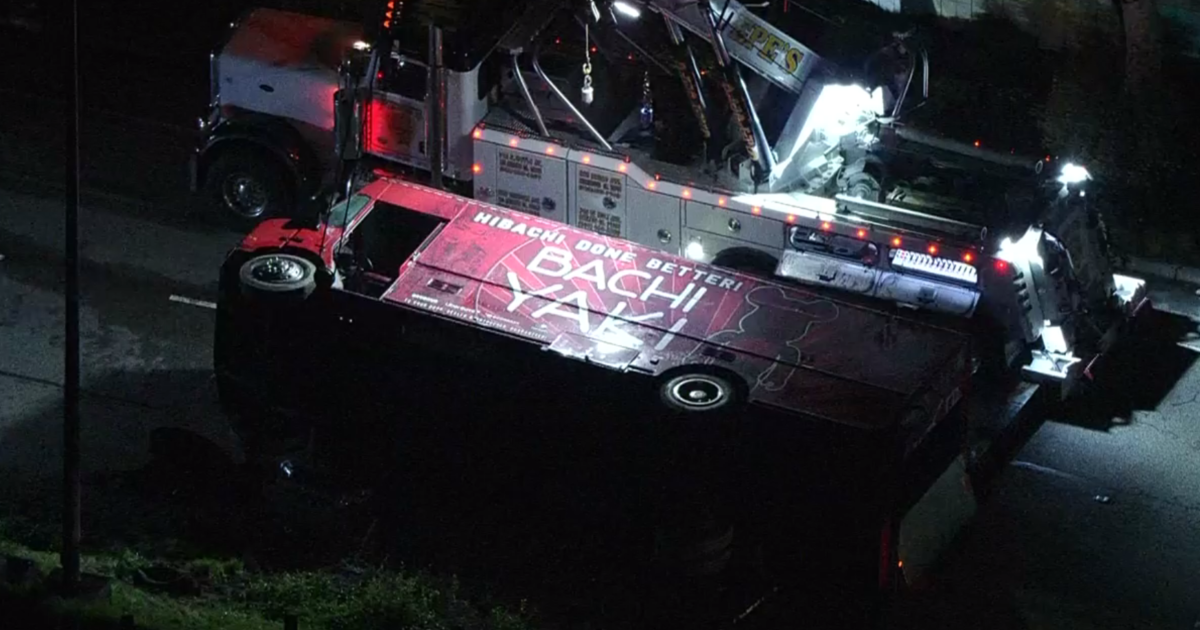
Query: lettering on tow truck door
(600,201)
(521,164)
(526,182)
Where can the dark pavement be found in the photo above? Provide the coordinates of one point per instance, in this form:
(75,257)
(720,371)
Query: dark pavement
(1091,527)
(147,360)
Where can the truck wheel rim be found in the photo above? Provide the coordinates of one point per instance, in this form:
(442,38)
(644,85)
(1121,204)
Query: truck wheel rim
(277,270)
(245,196)
(698,392)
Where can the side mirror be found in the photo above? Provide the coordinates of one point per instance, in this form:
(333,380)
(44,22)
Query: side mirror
(347,124)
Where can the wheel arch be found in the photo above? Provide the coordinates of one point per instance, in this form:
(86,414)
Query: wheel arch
(746,260)
(268,136)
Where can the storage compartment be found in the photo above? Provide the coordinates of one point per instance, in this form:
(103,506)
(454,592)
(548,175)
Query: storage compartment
(758,230)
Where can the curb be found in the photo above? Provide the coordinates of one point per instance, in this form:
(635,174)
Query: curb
(1163,270)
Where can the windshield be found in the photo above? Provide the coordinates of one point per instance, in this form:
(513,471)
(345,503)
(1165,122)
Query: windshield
(343,212)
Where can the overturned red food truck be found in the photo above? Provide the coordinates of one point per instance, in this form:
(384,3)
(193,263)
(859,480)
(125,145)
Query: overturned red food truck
(410,307)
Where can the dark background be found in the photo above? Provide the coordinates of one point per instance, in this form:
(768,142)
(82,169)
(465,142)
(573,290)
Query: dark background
(1042,549)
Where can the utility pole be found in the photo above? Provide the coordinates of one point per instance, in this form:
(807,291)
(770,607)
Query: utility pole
(71,484)
(437,104)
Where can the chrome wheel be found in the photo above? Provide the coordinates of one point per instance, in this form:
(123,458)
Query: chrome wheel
(278,275)
(277,270)
(699,392)
(245,196)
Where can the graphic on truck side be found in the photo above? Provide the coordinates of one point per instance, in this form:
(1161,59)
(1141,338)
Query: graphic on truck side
(620,304)
(758,323)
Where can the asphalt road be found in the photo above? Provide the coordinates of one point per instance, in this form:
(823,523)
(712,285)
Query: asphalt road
(1091,527)
(146,358)
(147,361)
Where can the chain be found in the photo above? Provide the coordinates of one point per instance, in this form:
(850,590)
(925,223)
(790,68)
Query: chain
(588,93)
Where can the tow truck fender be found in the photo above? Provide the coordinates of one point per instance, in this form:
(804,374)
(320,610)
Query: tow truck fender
(268,134)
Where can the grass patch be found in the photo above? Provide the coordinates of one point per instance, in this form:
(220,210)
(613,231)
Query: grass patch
(374,600)
(161,612)
(235,599)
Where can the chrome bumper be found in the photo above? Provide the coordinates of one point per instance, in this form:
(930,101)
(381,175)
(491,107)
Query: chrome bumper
(1067,370)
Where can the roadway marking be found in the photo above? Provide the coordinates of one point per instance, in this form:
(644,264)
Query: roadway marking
(193,302)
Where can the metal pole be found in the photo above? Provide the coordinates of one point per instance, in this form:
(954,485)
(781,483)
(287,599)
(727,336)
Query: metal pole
(680,43)
(916,136)
(537,113)
(760,153)
(71,490)
(537,67)
(437,103)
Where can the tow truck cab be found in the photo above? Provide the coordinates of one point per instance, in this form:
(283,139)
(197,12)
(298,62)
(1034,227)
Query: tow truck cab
(448,325)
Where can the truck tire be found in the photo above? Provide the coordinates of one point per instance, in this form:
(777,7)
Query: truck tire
(278,276)
(247,186)
(699,391)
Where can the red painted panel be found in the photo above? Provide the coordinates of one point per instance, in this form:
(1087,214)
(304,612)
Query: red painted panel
(538,279)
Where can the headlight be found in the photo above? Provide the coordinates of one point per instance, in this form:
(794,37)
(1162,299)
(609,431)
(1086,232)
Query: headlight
(1073,174)
(626,9)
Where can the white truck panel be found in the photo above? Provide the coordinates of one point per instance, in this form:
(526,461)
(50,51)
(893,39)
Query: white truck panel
(528,179)
(256,86)
(285,64)
(464,110)
(761,231)
(712,244)
(598,200)
(654,220)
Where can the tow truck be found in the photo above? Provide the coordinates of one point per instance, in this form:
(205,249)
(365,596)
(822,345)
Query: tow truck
(693,127)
